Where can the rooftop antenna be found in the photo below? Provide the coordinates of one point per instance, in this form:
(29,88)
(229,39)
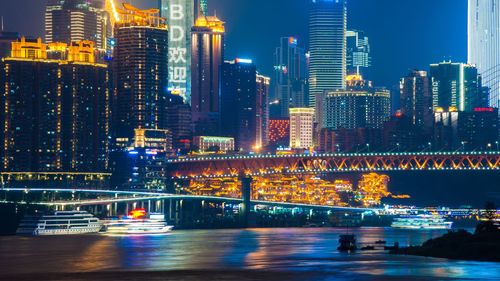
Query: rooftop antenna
(2,23)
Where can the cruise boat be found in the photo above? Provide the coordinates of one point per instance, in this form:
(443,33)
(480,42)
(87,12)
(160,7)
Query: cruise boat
(59,223)
(138,222)
(422,222)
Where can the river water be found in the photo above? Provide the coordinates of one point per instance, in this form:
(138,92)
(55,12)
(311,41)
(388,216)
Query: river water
(249,254)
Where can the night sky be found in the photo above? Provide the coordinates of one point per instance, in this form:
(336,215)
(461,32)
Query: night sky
(404,34)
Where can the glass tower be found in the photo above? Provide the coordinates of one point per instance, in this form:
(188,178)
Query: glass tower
(327,44)
(484,44)
(456,85)
(290,74)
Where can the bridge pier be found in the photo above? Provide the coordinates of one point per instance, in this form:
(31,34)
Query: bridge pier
(246,193)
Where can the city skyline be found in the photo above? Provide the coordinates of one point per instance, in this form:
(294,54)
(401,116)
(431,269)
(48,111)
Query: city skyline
(391,59)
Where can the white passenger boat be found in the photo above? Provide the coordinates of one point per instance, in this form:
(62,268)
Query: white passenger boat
(422,222)
(138,223)
(59,223)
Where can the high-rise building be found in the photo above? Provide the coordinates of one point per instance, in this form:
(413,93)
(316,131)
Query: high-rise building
(359,106)
(358,57)
(207,55)
(241,104)
(290,69)
(484,44)
(140,70)
(179,121)
(301,128)
(456,85)
(181,16)
(55,111)
(416,99)
(327,46)
(263,84)
(73,20)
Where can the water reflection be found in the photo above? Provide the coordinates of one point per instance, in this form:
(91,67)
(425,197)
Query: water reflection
(288,250)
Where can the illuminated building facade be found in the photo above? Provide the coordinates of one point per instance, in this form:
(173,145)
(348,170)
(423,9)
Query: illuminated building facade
(207,55)
(456,85)
(214,144)
(360,105)
(327,46)
(301,128)
(279,132)
(373,187)
(181,16)
(239,104)
(416,98)
(153,139)
(262,110)
(290,69)
(484,44)
(358,53)
(74,20)
(56,112)
(140,70)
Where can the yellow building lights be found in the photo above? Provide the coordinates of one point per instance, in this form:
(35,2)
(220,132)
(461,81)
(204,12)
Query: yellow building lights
(212,22)
(133,16)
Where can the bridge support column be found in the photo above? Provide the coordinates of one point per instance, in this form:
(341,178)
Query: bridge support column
(246,193)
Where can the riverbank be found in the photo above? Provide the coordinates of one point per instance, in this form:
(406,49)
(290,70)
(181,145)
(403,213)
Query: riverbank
(483,245)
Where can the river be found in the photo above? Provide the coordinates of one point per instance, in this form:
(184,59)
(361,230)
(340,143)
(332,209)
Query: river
(249,254)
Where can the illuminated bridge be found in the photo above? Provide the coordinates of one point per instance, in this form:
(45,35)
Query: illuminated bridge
(118,196)
(262,165)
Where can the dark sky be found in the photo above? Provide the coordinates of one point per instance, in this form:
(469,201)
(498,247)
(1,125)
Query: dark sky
(404,34)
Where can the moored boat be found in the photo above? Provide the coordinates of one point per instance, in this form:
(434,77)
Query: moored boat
(59,223)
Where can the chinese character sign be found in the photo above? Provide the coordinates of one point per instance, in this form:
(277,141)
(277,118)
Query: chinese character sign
(179,14)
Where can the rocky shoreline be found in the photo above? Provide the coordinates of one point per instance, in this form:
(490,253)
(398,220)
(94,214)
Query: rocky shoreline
(482,245)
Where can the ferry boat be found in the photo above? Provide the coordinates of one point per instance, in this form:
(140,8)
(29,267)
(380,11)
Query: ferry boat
(421,222)
(138,222)
(59,223)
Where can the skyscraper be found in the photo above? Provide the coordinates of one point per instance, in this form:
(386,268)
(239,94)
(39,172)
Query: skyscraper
(358,53)
(456,85)
(181,16)
(179,121)
(55,111)
(327,45)
(290,75)
(359,106)
(416,98)
(140,69)
(484,43)
(73,20)
(262,109)
(301,128)
(207,48)
(240,111)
